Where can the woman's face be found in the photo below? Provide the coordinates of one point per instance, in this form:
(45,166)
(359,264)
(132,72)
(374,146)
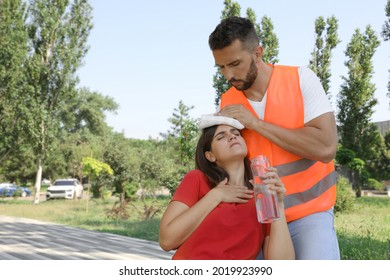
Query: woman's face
(227,145)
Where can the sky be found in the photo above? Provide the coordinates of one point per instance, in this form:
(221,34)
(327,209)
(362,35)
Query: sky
(150,55)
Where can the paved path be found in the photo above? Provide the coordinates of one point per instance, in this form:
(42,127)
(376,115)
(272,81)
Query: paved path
(26,239)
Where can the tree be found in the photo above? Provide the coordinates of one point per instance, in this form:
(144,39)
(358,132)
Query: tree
(184,134)
(321,55)
(356,99)
(87,111)
(231,9)
(58,32)
(155,170)
(94,168)
(387,139)
(269,41)
(356,102)
(380,165)
(267,38)
(124,163)
(357,167)
(386,35)
(13,52)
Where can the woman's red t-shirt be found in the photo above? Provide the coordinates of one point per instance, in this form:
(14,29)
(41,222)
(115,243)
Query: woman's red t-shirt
(230,231)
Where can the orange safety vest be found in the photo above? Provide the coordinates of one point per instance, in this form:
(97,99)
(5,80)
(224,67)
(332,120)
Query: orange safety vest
(310,185)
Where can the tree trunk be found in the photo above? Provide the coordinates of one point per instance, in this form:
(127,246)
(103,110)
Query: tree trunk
(88,190)
(38,181)
(123,198)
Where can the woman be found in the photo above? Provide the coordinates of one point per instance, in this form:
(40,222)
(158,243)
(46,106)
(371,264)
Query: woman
(212,213)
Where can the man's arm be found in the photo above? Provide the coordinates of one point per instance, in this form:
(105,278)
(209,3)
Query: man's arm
(317,140)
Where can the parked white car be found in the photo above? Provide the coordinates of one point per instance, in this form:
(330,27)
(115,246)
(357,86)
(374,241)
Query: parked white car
(65,188)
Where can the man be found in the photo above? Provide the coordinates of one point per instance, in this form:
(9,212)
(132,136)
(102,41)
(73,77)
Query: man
(287,117)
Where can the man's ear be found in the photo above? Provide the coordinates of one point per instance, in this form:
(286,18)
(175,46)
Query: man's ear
(258,53)
(210,156)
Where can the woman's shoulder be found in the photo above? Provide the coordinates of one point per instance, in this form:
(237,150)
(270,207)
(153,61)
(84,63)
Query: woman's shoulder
(195,173)
(193,186)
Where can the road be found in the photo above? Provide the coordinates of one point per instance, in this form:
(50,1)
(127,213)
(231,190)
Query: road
(26,239)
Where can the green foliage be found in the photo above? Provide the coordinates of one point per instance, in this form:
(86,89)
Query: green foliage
(373,184)
(58,35)
(386,26)
(57,40)
(379,167)
(86,112)
(359,176)
(13,54)
(356,164)
(267,37)
(93,167)
(344,156)
(364,176)
(377,159)
(387,139)
(231,9)
(371,143)
(17,193)
(356,99)
(100,173)
(269,41)
(19,165)
(184,135)
(221,85)
(101,186)
(120,157)
(178,120)
(344,196)
(321,55)
(187,142)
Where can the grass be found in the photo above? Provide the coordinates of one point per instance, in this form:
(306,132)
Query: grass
(363,233)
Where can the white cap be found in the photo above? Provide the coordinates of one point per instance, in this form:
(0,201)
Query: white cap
(211,120)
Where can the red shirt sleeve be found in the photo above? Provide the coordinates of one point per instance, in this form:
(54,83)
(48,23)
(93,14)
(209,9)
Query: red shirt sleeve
(192,188)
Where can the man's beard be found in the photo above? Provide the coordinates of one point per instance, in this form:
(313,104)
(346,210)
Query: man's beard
(249,79)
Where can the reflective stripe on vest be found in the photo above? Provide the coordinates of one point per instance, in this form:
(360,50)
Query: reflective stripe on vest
(316,190)
(294,167)
(310,184)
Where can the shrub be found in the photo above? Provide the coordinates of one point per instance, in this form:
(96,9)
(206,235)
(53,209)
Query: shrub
(344,196)
(373,184)
(344,156)
(17,193)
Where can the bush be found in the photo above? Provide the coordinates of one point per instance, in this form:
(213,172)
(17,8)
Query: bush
(17,193)
(344,156)
(344,196)
(373,184)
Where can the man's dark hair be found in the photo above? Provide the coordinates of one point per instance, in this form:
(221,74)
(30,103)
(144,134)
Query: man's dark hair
(231,29)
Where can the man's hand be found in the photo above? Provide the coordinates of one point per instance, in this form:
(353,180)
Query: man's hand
(240,113)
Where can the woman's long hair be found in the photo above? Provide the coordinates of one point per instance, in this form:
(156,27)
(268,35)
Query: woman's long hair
(213,172)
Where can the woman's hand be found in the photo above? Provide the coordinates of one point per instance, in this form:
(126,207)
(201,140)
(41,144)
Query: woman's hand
(232,193)
(275,183)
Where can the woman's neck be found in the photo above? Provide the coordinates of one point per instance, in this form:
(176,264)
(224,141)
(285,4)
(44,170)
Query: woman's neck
(236,173)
